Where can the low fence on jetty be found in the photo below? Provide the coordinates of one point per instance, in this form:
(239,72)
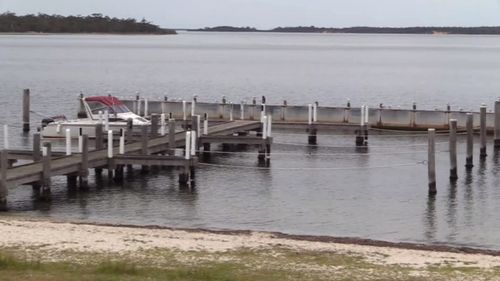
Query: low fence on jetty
(380,117)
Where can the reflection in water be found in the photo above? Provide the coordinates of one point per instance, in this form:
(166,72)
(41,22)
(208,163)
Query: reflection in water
(430,219)
(451,211)
(469,198)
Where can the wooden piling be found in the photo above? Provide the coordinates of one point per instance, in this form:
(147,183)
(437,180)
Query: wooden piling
(482,112)
(26,110)
(431,161)
(470,141)
(99,138)
(497,125)
(37,155)
(3,178)
(130,130)
(155,122)
(84,167)
(171,136)
(283,110)
(453,150)
(46,174)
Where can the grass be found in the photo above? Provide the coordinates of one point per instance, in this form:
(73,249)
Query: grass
(240,265)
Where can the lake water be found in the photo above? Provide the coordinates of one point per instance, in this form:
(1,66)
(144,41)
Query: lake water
(332,189)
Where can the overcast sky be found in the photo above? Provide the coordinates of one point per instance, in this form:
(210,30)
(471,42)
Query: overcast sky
(273,13)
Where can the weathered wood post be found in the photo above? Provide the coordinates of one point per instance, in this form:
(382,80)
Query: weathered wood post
(84,168)
(283,110)
(365,127)
(4,159)
(171,136)
(470,141)
(222,107)
(269,136)
(162,125)
(206,146)
(130,131)
(99,138)
(242,110)
(111,163)
(37,155)
(184,176)
(482,112)
(360,140)
(413,118)
(497,125)
(262,148)
(80,140)
(193,106)
(184,113)
(453,150)
(252,109)
(155,121)
(431,161)
(26,110)
(311,129)
(146,107)
(46,172)
(99,143)
(231,108)
(68,142)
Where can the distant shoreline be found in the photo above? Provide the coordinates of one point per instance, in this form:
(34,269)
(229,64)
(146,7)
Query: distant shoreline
(430,30)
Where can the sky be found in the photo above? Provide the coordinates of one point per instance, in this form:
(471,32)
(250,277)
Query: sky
(266,14)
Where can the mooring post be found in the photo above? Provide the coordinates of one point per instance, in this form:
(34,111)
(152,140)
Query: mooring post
(242,110)
(26,110)
(198,125)
(162,125)
(4,160)
(136,103)
(99,143)
(121,149)
(482,112)
(360,140)
(470,141)
(269,135)
(46,174)
(98,136)
(283,110)
(37,155)
(106,120)
(146,107)
(184,176)
(365,127)
(205,124)
(193,106)
(194,125)
(194,143)
(262,148)
(111,165)
(497,125)
(139,107)
(171,136)
(155,121)
(431,161)
(68,142)
(130,130)
(184,113)
(231,112)
(252,109)
(222,107)
(80,140)
(84,168)
(453,150)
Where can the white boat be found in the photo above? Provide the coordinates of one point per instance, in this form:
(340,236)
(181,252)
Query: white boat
(96,109)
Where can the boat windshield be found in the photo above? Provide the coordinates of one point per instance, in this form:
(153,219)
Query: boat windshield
(96,106)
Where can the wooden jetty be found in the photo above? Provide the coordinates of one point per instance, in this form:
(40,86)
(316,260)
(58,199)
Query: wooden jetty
(151,149)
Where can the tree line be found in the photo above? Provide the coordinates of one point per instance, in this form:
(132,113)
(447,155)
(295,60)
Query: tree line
(486,30)
(95,23)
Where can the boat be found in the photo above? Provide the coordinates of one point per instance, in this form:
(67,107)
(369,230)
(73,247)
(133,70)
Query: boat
(97,109)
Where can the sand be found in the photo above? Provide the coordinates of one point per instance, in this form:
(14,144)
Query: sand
(62,236)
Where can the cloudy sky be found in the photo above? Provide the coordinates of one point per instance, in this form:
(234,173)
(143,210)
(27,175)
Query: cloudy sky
(272,13)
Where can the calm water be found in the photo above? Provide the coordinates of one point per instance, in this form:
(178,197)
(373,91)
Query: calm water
(380,194)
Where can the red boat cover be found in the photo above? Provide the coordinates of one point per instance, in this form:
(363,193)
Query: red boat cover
(109,101)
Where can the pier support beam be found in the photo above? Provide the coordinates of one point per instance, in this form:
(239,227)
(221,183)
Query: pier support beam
(84,168)
(46,173)
(431,161)
(453,150)
(26,110)
(482,117)
(469,163)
